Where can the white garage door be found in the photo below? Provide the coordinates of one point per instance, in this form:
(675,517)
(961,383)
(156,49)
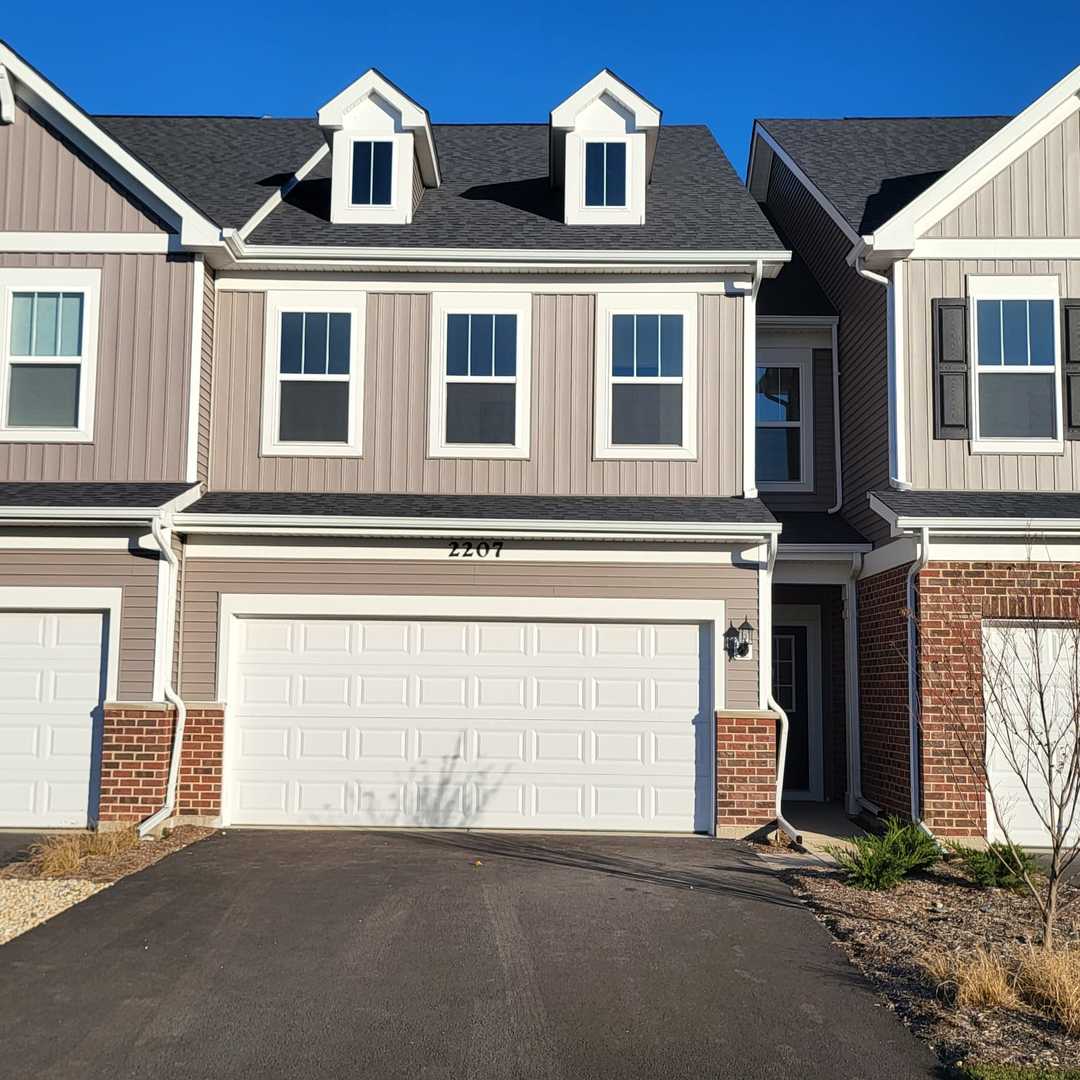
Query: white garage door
(51,686)
(1031,720)
(549,725)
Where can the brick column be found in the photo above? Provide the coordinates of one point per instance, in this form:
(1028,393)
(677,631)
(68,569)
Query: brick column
(136,748)
(745,772)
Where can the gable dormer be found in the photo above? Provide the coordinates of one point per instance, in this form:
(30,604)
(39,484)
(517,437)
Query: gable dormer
(382,152)
(603,140)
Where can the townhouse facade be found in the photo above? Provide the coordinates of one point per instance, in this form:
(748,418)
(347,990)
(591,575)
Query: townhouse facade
(361,470)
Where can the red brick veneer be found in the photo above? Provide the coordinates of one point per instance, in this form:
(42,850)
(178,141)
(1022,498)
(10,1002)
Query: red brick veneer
(745,771)
(135,751)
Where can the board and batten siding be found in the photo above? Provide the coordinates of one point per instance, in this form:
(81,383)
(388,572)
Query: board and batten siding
(948,464)
(143,362)
(861,343)
(47,185)
(135,573)
(1037,195)
(395,420)
(205,579)
(206,379)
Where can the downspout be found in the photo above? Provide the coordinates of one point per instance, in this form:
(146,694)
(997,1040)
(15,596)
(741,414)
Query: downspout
(838,464)
(921,559)
(772,703)
(165,812)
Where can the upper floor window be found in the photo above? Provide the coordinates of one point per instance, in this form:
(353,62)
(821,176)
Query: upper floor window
(372,173)
(783,412)
(1016,394)
(605,174)
(312,389)
(647,381)
(48,342)
(480,376)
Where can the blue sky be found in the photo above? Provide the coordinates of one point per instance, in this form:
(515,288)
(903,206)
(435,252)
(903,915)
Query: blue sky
(716,63)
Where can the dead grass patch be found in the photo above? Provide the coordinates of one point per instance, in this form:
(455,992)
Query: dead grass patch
(62,854)
(972,980)
(1049,980)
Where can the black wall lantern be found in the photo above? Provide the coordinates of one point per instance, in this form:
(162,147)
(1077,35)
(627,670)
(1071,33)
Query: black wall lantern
(738,640)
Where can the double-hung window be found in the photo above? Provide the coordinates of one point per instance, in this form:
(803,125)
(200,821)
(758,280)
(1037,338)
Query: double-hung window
(783,409)
(480,376)
(48,345)
(1016,391)
(605,174)
(372,172)
(313,383)
(646,378)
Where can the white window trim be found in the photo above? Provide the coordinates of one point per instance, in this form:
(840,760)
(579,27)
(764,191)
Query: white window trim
(277,304)
(609,305)
(442,306)
(577,212)
(87,282)
(1014,287)
(802,360)
(342,209)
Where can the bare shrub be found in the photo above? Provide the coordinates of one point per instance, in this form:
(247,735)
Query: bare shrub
(979,978)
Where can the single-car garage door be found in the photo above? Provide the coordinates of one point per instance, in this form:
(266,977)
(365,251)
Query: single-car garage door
(552,725)
(51,690)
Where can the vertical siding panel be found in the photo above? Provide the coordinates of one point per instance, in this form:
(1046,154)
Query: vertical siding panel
(1071,179)
(1021,226)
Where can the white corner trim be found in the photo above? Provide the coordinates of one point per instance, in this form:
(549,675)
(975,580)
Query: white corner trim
(749,387)
(278,196)
(896,344)
(49,598)
(89,243)
(198,281)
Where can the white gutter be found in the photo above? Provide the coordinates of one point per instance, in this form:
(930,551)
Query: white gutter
(165,812)
(838,464)
(921,559)
(772,703)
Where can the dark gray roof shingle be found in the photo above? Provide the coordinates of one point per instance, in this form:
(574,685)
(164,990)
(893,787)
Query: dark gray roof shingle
(1022,505)
(495,191)
(91,496)
(817,527)
(870,168)
(506,507)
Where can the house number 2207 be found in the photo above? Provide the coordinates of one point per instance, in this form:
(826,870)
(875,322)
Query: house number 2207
(479,549)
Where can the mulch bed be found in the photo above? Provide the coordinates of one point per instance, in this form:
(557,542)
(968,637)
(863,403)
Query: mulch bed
(885,933)
(109,868)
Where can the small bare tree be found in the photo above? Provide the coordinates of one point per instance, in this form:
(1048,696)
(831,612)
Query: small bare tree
(1018,678)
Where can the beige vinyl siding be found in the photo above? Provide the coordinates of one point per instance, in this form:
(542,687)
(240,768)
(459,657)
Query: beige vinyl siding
(205,579)
(861,338)
(206,381)
(948,463)
(136,574)
(824,494)
(1037,195)
(47,185)
(417,184)
(396,410)
(143,361)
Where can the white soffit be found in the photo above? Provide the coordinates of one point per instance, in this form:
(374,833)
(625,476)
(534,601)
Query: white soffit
(340,113)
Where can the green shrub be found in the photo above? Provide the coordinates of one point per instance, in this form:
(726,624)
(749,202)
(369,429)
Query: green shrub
(1000,866)
(882,862)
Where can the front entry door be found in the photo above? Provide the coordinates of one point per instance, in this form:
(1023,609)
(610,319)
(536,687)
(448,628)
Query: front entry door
(791,690)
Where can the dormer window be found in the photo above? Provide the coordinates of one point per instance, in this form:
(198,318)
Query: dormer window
(372,173)
(605,174)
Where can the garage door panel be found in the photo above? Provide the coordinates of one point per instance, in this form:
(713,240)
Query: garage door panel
(464,723)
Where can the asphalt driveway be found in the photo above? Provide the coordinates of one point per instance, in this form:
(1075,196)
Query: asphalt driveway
(417,955)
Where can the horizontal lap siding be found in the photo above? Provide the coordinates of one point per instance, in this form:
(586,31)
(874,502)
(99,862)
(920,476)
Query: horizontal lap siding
(135,574)
(46,185)
(863,358)
(206,579)
(948,463)
(143,361)
(396,410)
(1037,195)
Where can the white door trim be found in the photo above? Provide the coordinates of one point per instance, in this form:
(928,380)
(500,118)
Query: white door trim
(49,598)
(234,606)
(808,616)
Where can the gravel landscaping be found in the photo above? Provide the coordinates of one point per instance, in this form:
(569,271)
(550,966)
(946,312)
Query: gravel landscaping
(886,935)
(28,897)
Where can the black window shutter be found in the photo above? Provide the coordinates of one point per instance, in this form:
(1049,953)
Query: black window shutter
(1070,345)
(951,369)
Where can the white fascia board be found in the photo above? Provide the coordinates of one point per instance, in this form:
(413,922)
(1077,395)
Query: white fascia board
(7,98)
(818,195)
(901,231)
(810,552)
(70,243)
(973,526)
(105,151)
(795,322)
(646,115)
(182,501)
(87,515)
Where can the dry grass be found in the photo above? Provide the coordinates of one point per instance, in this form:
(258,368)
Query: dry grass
(970,979)
(61,854)
(1049,980)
